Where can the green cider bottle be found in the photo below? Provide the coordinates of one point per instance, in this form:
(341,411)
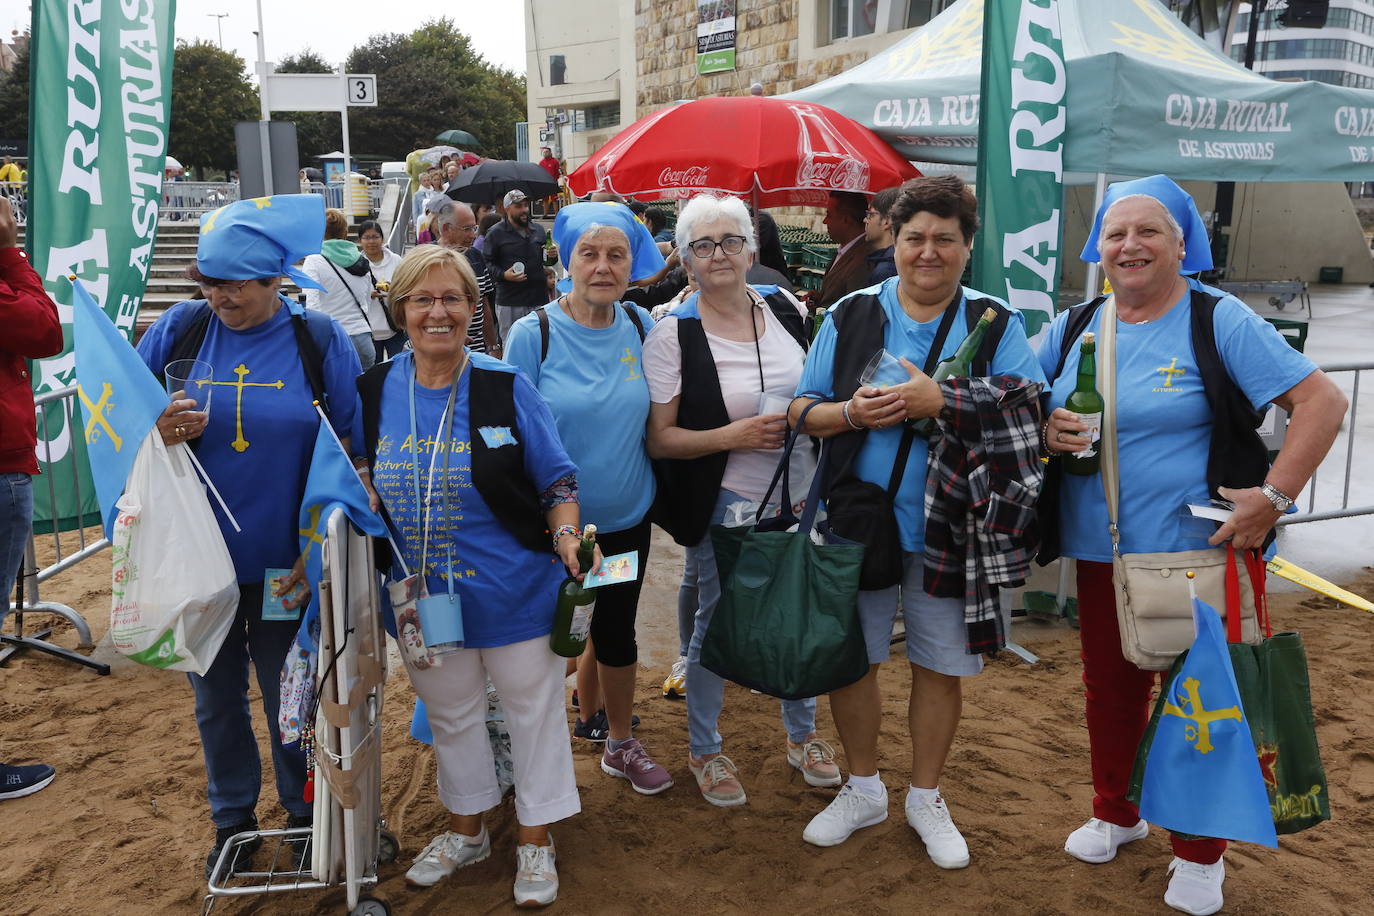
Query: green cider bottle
(958,365)
(572,618)
(550,259)
(1087,403)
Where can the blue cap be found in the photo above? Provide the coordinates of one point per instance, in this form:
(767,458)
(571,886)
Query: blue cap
(1197,249)
(574,220)
(262,237)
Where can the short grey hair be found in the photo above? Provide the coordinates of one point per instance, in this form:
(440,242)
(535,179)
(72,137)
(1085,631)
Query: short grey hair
(708,208)
(447,214)
(1173,223)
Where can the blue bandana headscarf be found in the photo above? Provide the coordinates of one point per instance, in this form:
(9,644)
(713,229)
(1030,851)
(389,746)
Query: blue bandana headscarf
(263,237)
(1198,250)
(574,220)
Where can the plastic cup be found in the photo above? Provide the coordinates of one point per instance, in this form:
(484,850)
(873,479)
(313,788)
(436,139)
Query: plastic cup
(883,370)
(194,377)
(773,403)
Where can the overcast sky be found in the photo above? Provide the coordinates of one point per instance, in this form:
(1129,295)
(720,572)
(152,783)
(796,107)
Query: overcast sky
(334,28)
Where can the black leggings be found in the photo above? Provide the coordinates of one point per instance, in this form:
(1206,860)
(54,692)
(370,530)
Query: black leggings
(613,623)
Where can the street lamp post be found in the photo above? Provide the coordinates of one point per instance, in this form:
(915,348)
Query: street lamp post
(219,26)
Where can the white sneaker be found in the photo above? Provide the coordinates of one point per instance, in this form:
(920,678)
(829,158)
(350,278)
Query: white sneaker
(1097,841)
(851,810)
(1195,888)
(446,852)
(536,878)
(944,843)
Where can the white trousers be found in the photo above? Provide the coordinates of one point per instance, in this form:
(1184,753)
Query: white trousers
(529,678)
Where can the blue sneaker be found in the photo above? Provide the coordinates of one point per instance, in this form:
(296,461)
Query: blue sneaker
(17,781)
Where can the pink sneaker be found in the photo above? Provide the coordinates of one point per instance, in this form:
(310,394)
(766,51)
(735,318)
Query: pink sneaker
(632,762)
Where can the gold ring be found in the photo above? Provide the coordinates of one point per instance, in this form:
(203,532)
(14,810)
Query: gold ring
(1059,436)
(181,432)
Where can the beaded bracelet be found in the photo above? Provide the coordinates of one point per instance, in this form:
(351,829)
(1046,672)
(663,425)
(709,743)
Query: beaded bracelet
(844,409)
(1045,441)
(565,529)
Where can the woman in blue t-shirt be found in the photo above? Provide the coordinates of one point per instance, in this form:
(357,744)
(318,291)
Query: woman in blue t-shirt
(583,353)
(256,444)
(1147,234)
(471,474)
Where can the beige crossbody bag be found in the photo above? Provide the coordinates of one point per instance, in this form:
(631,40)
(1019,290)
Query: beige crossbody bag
(1153,608)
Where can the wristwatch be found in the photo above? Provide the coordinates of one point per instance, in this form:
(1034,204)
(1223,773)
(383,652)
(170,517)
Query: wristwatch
(1281,501)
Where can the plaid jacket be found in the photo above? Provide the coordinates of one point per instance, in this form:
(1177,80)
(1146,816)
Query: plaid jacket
(983,479)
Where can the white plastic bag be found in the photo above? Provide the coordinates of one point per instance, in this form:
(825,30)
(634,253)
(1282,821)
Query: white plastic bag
(174,592)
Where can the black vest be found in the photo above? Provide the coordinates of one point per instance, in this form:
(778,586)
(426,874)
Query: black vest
(1237,456)
(497,473)
(860,325)
(688,488)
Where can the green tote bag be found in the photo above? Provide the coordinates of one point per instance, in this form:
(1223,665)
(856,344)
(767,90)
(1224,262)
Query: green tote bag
(787,623)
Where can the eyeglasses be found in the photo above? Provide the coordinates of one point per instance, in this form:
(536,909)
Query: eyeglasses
(472,228)
(227,286)
(706,248)
(451,304)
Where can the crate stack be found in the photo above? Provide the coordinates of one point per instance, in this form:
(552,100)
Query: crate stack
(808,255)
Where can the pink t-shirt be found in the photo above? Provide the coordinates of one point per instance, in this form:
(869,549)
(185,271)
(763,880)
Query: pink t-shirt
(738,365)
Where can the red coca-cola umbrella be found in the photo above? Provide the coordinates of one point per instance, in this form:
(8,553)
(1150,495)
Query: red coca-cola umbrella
(774,151)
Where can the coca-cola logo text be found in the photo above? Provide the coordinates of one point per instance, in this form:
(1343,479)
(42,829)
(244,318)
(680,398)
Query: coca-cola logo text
(692,177)
(845,174)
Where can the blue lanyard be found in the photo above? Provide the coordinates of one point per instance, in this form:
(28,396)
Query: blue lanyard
(443,434)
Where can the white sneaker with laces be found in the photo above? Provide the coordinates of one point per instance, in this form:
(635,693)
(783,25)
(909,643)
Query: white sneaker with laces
(1195,888)
(675,684)
(944,843)
(536,878)
(446,852)
(1097,841)
(851,810)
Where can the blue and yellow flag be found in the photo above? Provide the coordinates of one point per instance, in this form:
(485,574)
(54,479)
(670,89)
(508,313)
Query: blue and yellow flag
(120,399)
(332,483)
(1201,773)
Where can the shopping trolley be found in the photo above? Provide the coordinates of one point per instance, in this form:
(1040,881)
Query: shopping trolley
(347,839)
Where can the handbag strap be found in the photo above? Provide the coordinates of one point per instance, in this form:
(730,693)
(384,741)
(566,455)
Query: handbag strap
(783,470)
(1106,380)
(349,289)
(1254,567)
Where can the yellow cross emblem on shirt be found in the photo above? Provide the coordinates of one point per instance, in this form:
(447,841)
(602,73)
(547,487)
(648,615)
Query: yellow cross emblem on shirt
(631,362)
(1170,371)
(1200,731)
(240,444)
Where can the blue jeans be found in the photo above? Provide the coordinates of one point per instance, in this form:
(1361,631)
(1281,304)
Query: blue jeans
(706,689)
(367,354)
(16,514)
(233,766)
(687,603)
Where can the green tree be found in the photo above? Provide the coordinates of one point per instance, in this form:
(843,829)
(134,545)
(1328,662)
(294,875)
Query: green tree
(14,97)
(210,94)
(429,81)
(317,132)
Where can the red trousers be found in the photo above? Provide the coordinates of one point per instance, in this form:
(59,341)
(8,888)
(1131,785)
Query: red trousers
(1118,708)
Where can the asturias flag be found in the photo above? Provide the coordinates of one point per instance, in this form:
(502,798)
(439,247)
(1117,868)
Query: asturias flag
(1201,774)
(120,399)
(332,483)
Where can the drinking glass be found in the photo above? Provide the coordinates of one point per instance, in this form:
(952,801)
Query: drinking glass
(194,377)
(883,370)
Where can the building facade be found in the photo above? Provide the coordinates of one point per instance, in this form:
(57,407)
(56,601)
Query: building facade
(1340,53)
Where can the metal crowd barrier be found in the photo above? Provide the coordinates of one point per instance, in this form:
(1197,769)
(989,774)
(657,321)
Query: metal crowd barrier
(187,200)
(18,194)
(1320,482)
(31,577)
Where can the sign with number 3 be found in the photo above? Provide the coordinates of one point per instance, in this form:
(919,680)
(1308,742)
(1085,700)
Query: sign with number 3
(362,89)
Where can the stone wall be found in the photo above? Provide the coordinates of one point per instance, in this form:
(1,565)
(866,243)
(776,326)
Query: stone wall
(767,51)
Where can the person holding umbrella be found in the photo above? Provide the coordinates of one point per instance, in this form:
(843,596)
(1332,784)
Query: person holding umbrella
(515,251)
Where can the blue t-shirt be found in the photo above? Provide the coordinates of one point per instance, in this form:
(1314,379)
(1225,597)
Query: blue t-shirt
(1164,423)
(258,444)
(903,336)
(593,380)
(507,591)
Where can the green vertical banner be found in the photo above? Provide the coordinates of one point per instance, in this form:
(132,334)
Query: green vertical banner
(1021,130)
(100,109)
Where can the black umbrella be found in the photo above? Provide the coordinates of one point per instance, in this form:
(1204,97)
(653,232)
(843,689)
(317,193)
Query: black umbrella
(488,181)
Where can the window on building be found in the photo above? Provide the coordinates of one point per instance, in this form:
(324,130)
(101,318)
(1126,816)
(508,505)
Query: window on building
(857,18)
(597,117)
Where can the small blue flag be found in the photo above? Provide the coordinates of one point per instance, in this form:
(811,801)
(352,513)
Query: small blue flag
(120,399)
(1201,773)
